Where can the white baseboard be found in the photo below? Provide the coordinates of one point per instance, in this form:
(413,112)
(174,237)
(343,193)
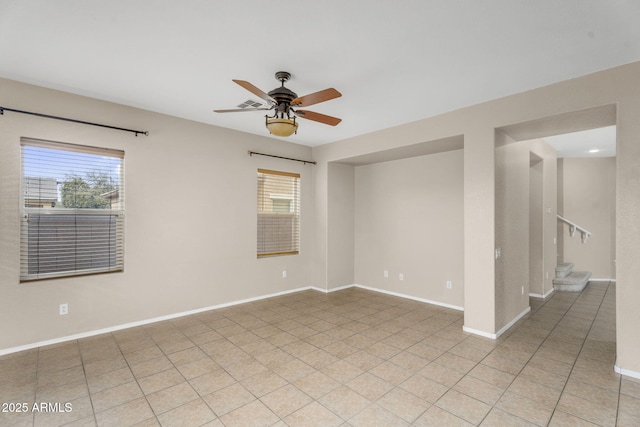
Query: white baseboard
(411,297)
(147,321)
(200,310)
(501,331)
(340,288)
(243,301)
(513,321)
(552,290)
(479,332)
(626,372)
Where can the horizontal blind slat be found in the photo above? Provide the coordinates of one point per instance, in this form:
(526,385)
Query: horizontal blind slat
(278,222)
(73,218)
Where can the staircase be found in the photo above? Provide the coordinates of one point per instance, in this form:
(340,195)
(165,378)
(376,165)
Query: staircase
(568,280)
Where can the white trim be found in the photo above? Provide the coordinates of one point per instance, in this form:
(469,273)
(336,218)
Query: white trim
(479,332)
(513,321)
(602,280)
(148,321)
(626,372)
(552,290)
(501,331)
(213,307)
(340,288)
(411,297)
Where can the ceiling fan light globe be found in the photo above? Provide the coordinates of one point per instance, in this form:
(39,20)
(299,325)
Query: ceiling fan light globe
(282,127)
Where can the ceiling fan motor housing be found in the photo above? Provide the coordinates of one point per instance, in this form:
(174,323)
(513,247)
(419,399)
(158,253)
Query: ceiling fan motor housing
(283,97)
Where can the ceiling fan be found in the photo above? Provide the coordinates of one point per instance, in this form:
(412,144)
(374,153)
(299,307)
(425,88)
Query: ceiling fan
(284,103)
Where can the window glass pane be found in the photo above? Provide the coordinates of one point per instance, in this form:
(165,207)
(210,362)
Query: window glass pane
(66,179)
(73,218)
(278,213)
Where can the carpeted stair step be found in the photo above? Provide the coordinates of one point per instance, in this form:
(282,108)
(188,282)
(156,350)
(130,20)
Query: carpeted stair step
(574,282)
(563,270)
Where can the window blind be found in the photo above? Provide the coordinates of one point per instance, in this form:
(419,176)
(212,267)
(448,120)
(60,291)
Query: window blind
(278,213)
(73,210)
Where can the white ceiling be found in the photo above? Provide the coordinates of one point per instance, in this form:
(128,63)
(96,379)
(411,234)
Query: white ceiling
(394,61)
(600,142)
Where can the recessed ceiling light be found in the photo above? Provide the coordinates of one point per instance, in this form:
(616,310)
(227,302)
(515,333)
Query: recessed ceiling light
(595,150)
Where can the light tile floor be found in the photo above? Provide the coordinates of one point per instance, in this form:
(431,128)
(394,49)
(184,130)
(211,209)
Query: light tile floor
(353,357)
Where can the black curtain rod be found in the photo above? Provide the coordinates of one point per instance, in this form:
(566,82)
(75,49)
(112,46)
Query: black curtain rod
(3,109)
(251,153)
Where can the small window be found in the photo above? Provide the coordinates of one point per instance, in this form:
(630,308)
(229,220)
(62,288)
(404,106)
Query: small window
(73,210)
(278,213)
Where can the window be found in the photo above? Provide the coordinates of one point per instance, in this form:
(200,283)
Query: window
(278,213)
(73,210)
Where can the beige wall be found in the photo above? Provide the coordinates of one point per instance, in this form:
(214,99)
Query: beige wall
(559,224)
(588,199)
(541,282)
(599,99)
(536,226)
(628,219)
(196,249)
(409,220)
(341,225)
(524,224)
(512,232)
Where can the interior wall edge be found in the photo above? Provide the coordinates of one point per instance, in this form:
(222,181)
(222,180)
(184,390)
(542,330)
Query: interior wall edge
(410,297)
(626,372)
(545,296)
(502,330)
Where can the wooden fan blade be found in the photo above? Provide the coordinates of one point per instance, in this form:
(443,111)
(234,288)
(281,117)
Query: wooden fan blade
(254,90)
(316,97)
(317,117)
(236,110)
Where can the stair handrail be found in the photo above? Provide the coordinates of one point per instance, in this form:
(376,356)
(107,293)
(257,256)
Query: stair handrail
(573,227)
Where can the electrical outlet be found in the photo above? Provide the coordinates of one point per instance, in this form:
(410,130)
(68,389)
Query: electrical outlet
(284,274)
(64,309)
(547,275)
(523,290)
(386,273)
(498,253)
(401,276)
(449,284)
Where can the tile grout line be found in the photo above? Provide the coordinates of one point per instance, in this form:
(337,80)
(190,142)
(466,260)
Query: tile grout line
(135,378)
(228,373)
(524,365)
(512,341)
(621,377)
(86,380)
(35,388)
(186,380)
(581,348)
(529,359)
